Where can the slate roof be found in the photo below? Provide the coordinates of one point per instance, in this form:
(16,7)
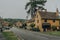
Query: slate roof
(49,15)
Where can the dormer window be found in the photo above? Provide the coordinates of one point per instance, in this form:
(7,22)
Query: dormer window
(53,20)
(45,20)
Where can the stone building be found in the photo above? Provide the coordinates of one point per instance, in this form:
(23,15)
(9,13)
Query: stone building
(51,18)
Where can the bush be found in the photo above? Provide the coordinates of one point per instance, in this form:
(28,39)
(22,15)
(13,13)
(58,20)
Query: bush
(24,26)
(32,25)
(35,29)
(58,29)
(54,28)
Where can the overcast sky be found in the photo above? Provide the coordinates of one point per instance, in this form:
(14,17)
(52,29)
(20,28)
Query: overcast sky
(15,8)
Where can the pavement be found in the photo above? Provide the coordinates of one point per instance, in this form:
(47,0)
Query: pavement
(2,37)
(29,35)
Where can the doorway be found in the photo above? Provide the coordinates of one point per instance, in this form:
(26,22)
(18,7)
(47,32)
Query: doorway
(46,26)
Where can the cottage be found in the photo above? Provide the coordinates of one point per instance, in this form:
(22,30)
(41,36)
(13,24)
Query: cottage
(43,17)
(5,23)
(18,24)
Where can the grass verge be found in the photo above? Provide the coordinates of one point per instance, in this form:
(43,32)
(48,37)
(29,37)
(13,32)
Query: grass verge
(9,35)
(54,33)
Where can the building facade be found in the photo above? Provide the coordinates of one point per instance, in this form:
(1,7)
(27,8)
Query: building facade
(41,17)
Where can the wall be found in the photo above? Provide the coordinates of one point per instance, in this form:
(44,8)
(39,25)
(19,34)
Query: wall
(39,24)
(56,23)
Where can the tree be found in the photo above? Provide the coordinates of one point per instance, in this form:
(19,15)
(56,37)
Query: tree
(33,4)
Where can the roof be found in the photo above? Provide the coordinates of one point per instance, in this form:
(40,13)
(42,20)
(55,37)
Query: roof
(31,20)
(49,15)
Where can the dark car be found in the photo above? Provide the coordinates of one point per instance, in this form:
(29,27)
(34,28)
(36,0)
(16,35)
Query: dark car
(7,28)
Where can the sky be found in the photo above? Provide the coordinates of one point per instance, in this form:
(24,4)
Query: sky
(16,8)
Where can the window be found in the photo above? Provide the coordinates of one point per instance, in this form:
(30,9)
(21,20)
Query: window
(53,20)
(45,20)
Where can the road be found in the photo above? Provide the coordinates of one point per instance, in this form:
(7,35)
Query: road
(29,35)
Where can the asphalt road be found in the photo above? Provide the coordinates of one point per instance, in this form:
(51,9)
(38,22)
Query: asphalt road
(29,35)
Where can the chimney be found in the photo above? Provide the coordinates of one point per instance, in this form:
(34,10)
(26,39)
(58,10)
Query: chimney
(57,12)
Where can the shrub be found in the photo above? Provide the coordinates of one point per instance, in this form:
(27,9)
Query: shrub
(24,26)
(58,28)
(36,29)
(54,28)
(32,25)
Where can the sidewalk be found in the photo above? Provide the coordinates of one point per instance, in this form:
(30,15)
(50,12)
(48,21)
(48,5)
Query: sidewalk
(2,37)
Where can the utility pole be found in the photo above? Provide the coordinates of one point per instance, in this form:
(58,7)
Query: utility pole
(1,24)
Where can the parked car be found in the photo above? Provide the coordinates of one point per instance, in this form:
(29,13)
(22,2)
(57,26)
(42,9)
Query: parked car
(7,28)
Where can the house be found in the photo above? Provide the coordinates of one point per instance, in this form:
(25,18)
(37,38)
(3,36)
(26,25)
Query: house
(29,22)
(5,23)
(18,24)
(45,17)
